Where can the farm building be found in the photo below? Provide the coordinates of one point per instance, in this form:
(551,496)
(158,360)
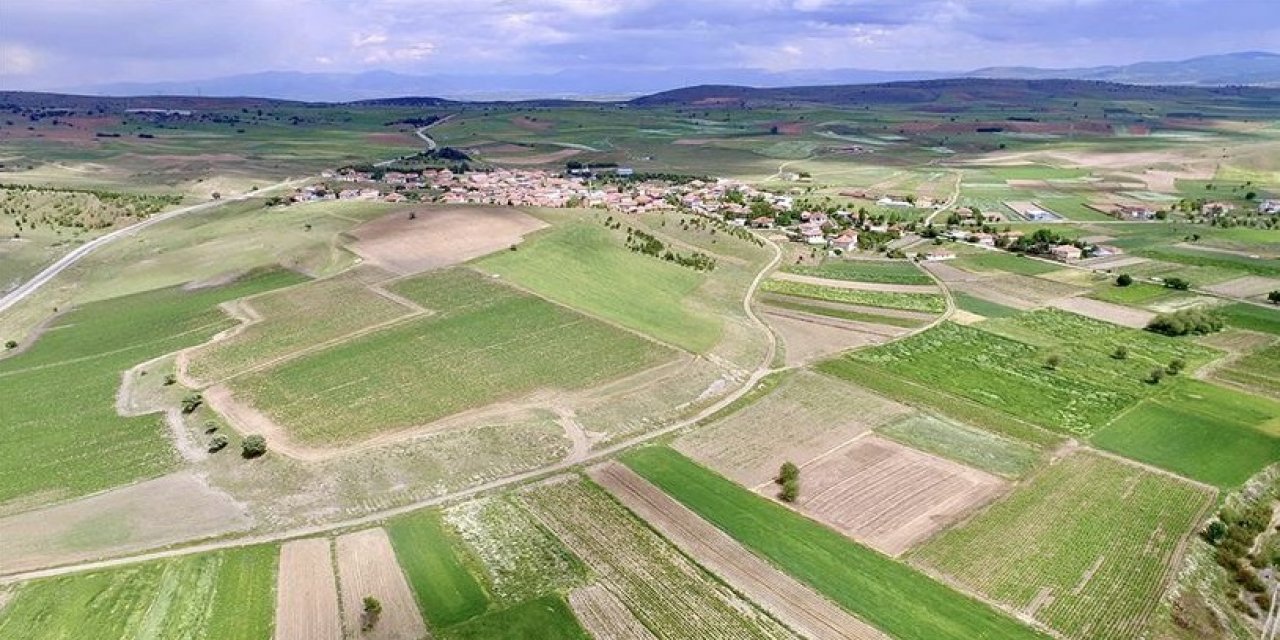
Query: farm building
(1132,212)
(846,241)
(1216,208)
(1269,206)
(1066,253)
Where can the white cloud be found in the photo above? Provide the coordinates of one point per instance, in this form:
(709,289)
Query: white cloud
(17,60)
(367,40)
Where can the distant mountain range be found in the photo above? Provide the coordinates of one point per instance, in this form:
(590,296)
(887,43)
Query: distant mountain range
(1248,68)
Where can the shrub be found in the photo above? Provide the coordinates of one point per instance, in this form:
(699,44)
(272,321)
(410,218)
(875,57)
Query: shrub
(217,443)
(1176,366)
(170,379)
(1121,353)
(1181,323)
(191,402)
(1215,532)
(1273,298)
(789,471)
(11,344)
(372,611)
(1052,361)
(1157,374)
(1124,280)
(253,446)
(790,490)
(1177,283)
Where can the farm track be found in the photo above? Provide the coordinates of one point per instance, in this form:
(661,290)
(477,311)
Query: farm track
(795,605)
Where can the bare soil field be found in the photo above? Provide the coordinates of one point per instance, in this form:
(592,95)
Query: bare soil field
(891,496)
(860,286)
(1075,277)
(603,615)
(1018,291)
(532,124)
(367,566)
(960,316)
(808,338)
(949,273)
(1105,311)
(307,593)
(129,519)
(808,415)
(439,237)
(800,608)
(1246,287)
(550,157)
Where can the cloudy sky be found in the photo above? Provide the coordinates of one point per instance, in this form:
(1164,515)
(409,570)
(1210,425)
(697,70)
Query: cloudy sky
(47,44)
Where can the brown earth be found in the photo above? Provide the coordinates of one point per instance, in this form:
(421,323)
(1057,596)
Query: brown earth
(439,237)
(175,508)
(307,593)
(1017,291)
(603,615)
(795,605)
(1112,262)
(889,496)
(530,124)
(1105,311)
(367,566)
(1246,287)
(807,338)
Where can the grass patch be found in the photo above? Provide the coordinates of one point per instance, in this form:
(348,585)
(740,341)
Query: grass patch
(1137,294)
(1257,371)
(1096,534)
(892,596)
(926,302)
(1252,317)
(885,271)
(227,595)
(799,304)
(587,267)
(1209,433)
(60,394)
(1004,261)
(489,343)
(984,308)
(433,563)
(964,444)
(547,617)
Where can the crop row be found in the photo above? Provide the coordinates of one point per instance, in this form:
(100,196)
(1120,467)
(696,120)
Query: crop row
(926,302)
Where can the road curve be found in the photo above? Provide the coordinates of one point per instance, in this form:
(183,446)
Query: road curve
(29,287)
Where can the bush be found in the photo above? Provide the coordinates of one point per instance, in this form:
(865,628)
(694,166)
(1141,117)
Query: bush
(11,344)
(790,490)
(1273,298)
(1181,323)
(1157,374)
(1177,283)
(1052,361)
(170,379)
(217,443)
(372,611)
(1215,532)
(1124,280)
(1176,366)
(789,471)
(191,402)
(1121,353)
(253,446)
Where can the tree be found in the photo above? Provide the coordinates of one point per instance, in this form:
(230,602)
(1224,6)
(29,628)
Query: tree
(788,471)
(1052,361)
(217,443)
(790,490)
(216,195)
(1176,366)
(1177,283)
(13,344)
(1186,321)
(1121,353)
(1124,280)
(191,402)
(1157,374)
(372,611)
(1215,532)
(1273,298)
(253,446)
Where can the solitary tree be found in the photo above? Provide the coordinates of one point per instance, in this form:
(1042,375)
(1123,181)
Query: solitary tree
(790,490)
(788,471)
(253,446)
(1273,298)
(1157,374)
(372,611)
(1052,361)
(1124,280)
(1176,366)
(13,344)
(1121,353)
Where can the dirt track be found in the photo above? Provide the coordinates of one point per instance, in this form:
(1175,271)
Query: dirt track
(797,606)
(306,593)
(367,566)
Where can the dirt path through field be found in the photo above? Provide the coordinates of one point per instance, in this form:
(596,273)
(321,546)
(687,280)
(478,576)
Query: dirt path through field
(604,616)
(307,593)
(131,404)
(794,604)
(367,566)
(859,286)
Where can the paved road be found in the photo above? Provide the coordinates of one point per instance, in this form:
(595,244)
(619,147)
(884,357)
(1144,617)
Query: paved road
(29,287)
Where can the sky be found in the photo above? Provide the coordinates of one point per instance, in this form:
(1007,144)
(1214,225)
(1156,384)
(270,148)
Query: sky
(51,44)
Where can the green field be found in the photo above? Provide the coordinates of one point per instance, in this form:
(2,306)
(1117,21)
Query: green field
(1258,371)
(984,308)
(226,595)
(60,394)
(587,267)
(886,271)
(964,444)
(1008,372)
(1202,431)
(926,302)
(843,313)
(1087,544)
(547,617)
(1137,294)
(436,569)
(293,319)
(892,596)
(1252,317)
(1004,261)
(490,342)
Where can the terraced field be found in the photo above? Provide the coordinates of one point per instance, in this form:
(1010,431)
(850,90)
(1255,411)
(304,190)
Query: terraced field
(493,343)
(893,597)
(890,300)
(293,319)
(220,596)
(670,595)
(61,392)
(1086,546)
